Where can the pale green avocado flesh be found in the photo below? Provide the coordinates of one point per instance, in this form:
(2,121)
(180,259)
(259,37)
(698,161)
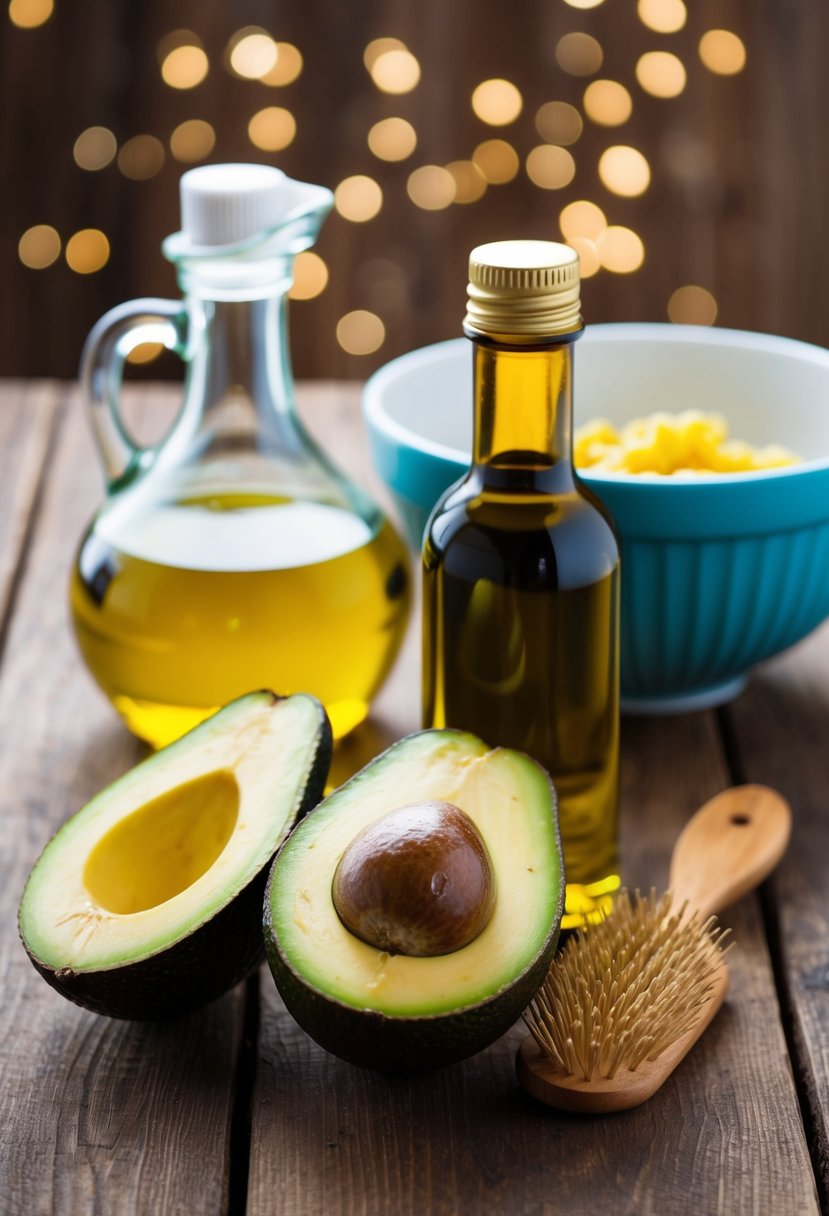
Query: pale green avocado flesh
(330,979)
(128,906)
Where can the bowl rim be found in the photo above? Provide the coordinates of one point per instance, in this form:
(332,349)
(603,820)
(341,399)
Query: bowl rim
(613,331)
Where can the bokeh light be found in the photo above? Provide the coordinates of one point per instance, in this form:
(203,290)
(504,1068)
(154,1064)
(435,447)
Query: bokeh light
(620,249)
(431,187)
(192,140)
(558,122)
(252,53)
(358,198)
(141,157)
(624,170)
(184,63)
(395,71)
(87,251)
(582,219)
(692,305)
(722,52)
(584,3)
(550,167)
(607,102)
(360,332)
(28,14)
(661,74)
(392,139)
(579,54)
(310,276)
(287,68)
(94,148)
(662,16)
(497,160)
(497,102)
(39,246)
(470,183)
(589,263)
(378,47)
(272,129)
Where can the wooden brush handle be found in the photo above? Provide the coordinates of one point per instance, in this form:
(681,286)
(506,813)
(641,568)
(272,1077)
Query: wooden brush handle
(731,844)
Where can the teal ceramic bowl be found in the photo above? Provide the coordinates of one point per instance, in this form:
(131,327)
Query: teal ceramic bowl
(718,573)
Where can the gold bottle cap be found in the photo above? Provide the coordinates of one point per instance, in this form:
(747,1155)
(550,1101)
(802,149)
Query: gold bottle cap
(523,290)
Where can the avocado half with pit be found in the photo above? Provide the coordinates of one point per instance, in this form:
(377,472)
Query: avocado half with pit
(412,916)
(147,902)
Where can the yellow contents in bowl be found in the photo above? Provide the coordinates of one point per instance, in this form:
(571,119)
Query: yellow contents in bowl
(690,442)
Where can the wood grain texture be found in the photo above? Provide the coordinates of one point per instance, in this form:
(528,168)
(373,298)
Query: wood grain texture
(97,1116)
(780,727)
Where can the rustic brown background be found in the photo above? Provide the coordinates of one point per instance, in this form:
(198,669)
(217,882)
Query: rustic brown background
(749,228)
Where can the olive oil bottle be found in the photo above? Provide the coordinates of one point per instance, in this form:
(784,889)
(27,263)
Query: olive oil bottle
(521,564)
(232,555)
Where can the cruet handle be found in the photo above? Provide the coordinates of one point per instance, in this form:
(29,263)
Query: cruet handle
(117,333)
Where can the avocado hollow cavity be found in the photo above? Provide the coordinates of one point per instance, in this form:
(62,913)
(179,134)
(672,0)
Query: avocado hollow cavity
(418,881)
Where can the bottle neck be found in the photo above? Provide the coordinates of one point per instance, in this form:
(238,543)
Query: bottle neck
(523,402)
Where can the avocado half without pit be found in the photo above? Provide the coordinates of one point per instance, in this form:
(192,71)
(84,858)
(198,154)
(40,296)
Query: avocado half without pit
(147,902)
(405,937)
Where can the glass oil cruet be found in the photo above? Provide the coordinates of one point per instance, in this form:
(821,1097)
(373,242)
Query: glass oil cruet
(232,555)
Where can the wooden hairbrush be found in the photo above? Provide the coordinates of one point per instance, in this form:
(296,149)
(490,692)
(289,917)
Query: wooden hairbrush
(625,1000)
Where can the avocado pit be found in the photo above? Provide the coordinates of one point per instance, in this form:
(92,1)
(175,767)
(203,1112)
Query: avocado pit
(417,881)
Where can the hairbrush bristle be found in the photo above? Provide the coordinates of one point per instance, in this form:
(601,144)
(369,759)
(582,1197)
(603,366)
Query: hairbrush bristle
(623,990)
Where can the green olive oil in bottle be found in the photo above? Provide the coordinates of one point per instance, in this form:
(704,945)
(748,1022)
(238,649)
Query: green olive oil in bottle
(521,565)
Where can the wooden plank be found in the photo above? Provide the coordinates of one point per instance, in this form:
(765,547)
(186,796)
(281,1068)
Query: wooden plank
(780,727)
(97,1116)
(27,419)
(330,1137)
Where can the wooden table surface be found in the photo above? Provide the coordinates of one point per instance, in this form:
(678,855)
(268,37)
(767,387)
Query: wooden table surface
(233,1109)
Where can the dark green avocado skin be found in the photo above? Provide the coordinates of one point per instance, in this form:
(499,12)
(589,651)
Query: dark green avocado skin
(404,1045)
(209,961)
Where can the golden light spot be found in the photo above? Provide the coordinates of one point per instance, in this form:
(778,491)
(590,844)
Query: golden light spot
(87,251)
(584,3)
(624,170)
(360,332)
(378,47)
(663,16)
(396,71)
(550,167)
(310,276)
(272,129)
(392,139)
(579,54)
(145,352)
(39,246)
(470,183)
(288,65)
(582,219)
(252,53)
(558,122)
(607,102)
(358,198)
(497,160)
(28,14)
(497,102)
(620,249)
(661,74)
(588,256)
(94,148)
(692,305)
(141,157)
(184,66)
(431,187)
(722,52)
(192,140)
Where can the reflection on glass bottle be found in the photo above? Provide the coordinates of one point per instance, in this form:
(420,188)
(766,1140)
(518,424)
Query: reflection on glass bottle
(233,556)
